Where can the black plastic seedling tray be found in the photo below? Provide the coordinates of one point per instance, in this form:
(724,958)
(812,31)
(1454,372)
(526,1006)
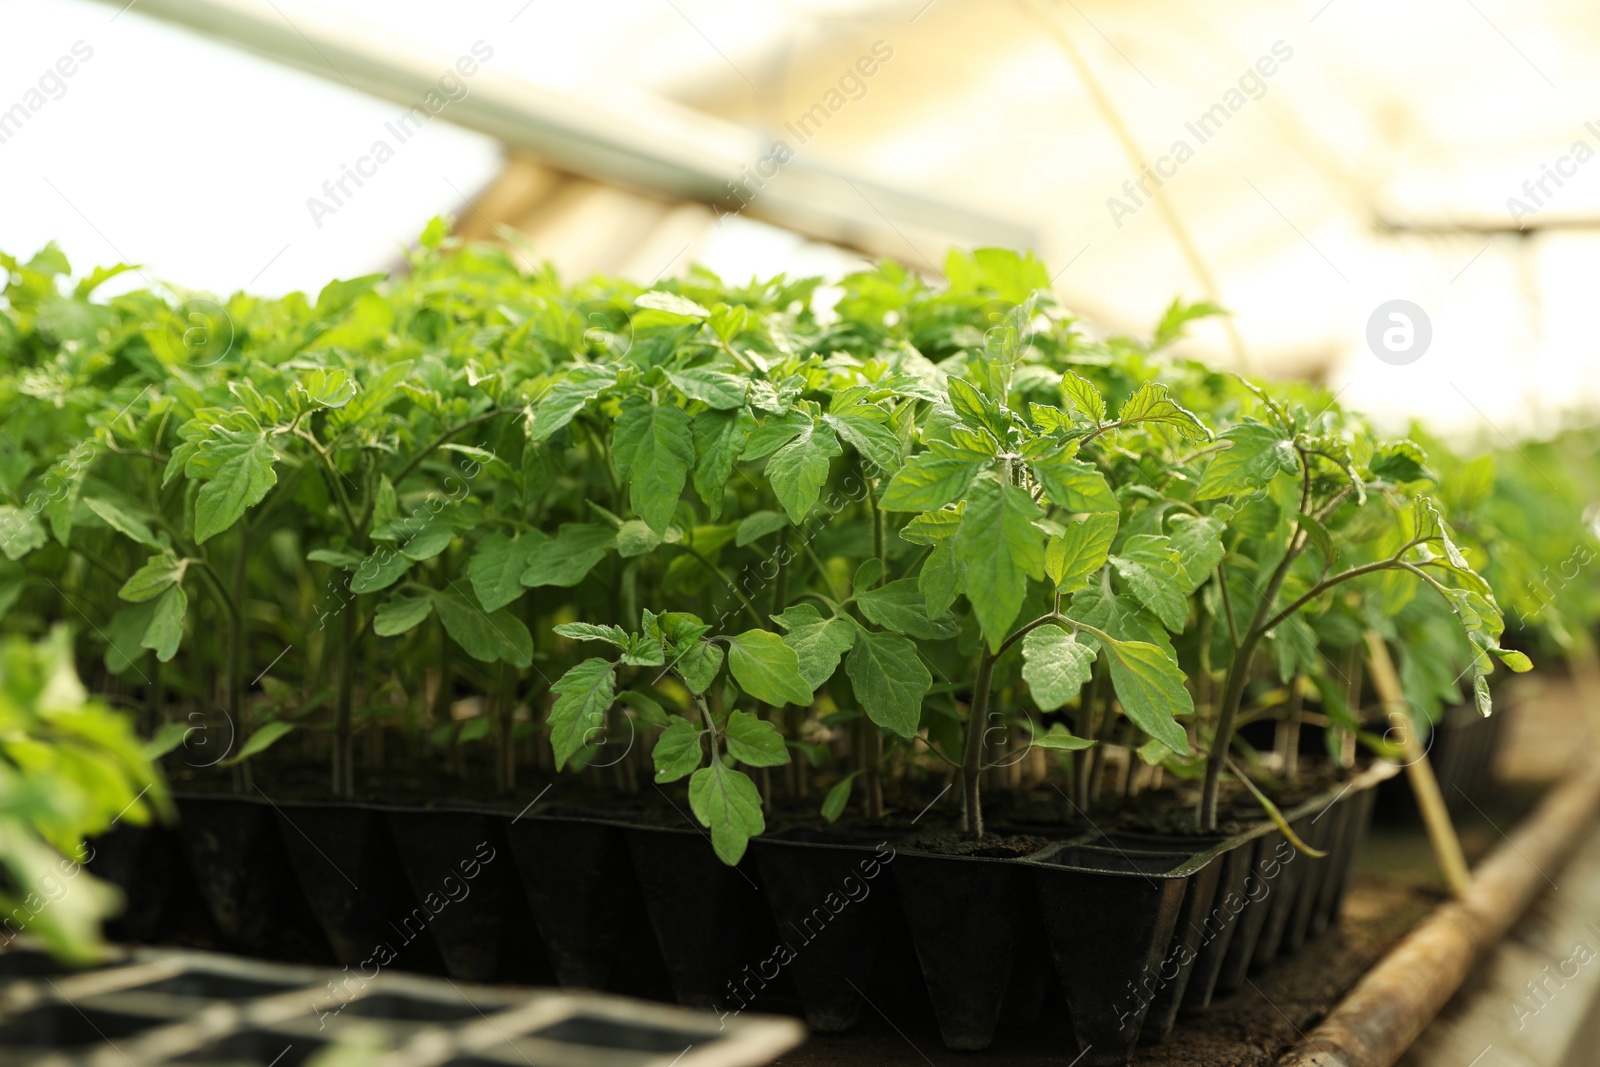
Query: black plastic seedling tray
(1140,929)
(158,1007)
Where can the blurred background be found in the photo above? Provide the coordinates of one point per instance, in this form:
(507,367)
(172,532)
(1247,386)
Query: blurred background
(1301,164)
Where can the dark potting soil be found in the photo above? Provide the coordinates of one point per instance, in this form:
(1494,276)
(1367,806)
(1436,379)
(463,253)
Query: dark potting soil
(922,815)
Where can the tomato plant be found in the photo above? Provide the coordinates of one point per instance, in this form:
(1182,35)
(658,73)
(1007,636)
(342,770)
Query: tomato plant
(864,534)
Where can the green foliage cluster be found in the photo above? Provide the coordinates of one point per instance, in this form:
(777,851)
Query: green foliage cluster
(856,532)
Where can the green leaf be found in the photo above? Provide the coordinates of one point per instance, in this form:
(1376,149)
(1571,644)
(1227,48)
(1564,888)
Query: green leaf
(1151,404)
(867,575)
(237,468)
(754,741)
(719,438)
(1517,661)
(932,527)
(496,568)
(166,739)
(767,669)
(1081,395)
(1177,316)
(714,388)
(653,445)
(671,304)
(486,636)
(400,615)
(698,666)
(818,643)
(1149,685)
(759,524)
(159,572)
(648,710)
(1078,553)
(901,607)
(838,798)
(798,470)
(728,803)
(118,519)
(259,742)
(1001,549)
(677,752)
(328,387)
(433,538)
(1055,666)
(1255,455)
(566,397)
(588,631)
(567,559)
(1074,485)
(379,571)
(1198,542)
(872,438)
(583,696)
(1400,462)
(166,624)
(889,680)
(929,481)
(1059,740)
(20,531)
(1154,573)
(977,410)
(942,578)
(635,538)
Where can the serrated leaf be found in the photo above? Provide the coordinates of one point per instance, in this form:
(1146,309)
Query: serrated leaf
(714,388)
(1150,686)
(754,741)
(400,615)
(1150,404)
(1154,574)
(583,696)
(719,438)
(677,752)
(942,578)
(488,636)
(1256,454)
(158,573)
(165,631)
(379,571)
(818,643)
(929,481)
(1000,549)
(566,559)
(116,517)
(698,666)
(496,567)
(588,631)
(798,470)
(671,304)
(931,527)
(653,445)
(727,802)
(900,606)
(767,669)
(1081,395)
(889,680)
(565,398)
(1055,666)
(1198,542)
(977,410)
(1073,484)
(237,467)
(875,440)
(1079,552)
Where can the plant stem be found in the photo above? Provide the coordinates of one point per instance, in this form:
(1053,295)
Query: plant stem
(343,768)
(972,752)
